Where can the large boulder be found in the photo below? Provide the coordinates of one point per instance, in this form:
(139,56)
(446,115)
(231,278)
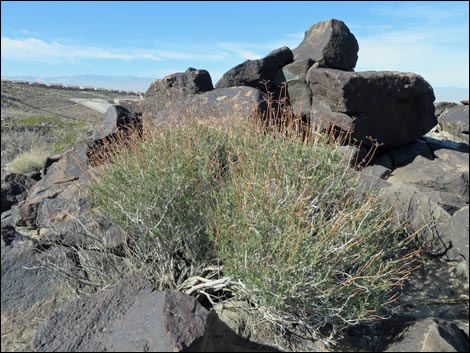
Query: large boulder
(329,43)
(254,73)
(191,81)
(29,290)
(224,103)
(392,108)
(455,120)
(117,117)
(43,204)
(297,91)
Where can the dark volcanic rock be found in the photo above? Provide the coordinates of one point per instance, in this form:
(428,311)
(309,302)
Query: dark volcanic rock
(460,227)
(329,43)
(191,81)
(441,106)
(253,73)
(391,107)
(455,120)
(224,103)
(29,290)
(129,317)
(133,105)
(298,92)
(419,212)
(406,154)
(431,335)
(448,172)
(85,232)
(14,189)
(69,168)
(116,117)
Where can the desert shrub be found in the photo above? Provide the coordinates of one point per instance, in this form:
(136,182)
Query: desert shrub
(29,161)
(53,134)
(280,214)
(290,226)
(161,191)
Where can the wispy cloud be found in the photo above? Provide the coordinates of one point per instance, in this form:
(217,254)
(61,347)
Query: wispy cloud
(53,52)
(430,40)
(37,50)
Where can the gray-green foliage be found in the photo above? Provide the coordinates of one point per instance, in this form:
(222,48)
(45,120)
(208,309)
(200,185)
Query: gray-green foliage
(280,214)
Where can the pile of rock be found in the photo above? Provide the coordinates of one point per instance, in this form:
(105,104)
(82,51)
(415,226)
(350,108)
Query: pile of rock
(425,177)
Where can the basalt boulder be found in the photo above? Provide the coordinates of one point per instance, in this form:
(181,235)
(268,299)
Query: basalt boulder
(329,43)
(389,108)
(192,81)
(292,84)
(254,73)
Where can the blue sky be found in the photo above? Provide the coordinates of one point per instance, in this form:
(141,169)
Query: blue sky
(153,39)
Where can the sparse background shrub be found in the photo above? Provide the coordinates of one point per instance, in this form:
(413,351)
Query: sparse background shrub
(39,135)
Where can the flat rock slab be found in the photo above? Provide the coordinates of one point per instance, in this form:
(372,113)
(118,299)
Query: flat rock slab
(222,103)
(431,335)
(128,317)
(392,108)
(448,173)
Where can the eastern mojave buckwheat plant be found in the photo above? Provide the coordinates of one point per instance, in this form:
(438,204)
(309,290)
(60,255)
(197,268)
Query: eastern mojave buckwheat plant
(278,216)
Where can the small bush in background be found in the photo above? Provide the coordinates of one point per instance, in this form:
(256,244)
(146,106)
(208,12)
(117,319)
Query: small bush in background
(26,162)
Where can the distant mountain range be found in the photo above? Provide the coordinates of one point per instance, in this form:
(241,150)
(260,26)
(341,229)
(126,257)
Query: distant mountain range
(141,84)
(127,83)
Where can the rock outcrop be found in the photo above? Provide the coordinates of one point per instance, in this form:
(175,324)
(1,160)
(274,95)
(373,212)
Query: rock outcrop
(254,73)
(329,43)
(191,81)
(390,107)
(222,103)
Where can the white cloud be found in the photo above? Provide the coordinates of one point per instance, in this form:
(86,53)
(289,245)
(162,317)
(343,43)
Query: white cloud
(428,53)
(37,50)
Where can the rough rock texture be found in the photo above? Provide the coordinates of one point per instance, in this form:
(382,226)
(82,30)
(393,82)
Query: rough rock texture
(455,120)
(296,89)
(432,335)
(441,106)
(191,81)
(448,201)
(224,103)
(460,229)
(448,172)
(331,44)
(85,232)
(391,107)
(14,189)
(133,105)
(377,170)
(29,292)
(67,169)
(252,73)
(130,317)
(420,212)
(116,117)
